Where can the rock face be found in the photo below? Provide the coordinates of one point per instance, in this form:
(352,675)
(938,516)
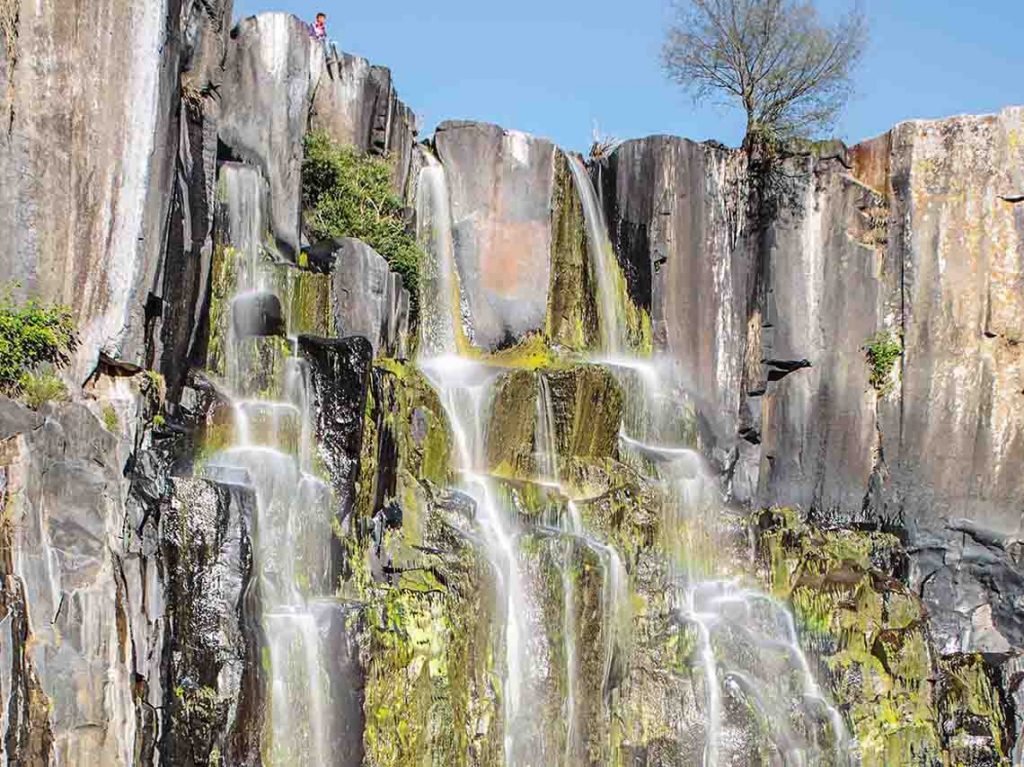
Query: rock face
(213,623)
(340,376)
(914,236)
(501,186)
(68,496)
(179,288)
(150,177)
(356,103)
(675,212)
(272,71)
(82,141)
(368,298)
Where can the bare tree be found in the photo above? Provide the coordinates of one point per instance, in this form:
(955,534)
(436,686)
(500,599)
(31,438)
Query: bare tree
(789,69)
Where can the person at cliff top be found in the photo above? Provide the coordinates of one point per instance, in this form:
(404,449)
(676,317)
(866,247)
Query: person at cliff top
(318,30)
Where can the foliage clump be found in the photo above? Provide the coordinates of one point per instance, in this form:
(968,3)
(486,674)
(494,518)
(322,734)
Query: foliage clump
(883,349)
(35,337)
(349,194)
(39,388)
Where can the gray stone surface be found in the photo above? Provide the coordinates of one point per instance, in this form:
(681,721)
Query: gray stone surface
(368,298)
(501,185)
(271,74)
(916,234)
(179,289)
(82,143)
(66,496)
(676,215)
(213,627)
(356,103)
(340,379)
(119,587)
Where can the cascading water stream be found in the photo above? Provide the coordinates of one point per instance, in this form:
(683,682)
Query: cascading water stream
(272,453)
(465,387)
(603,262)
(613,573)
(755,676)
(727,620)
(439,281)
(750,671)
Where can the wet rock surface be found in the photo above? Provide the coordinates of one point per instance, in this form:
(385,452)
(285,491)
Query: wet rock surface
(270,76)
(212,627)
(901,237)
(128,602)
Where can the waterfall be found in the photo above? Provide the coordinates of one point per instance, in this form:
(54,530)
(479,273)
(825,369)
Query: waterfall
(271,452)
(751,682)
(745,642)
(610,312)
(746,645)
(439,288)
(465,388)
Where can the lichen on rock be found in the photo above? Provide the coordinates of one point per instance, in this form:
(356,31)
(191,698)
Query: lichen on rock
(905,703)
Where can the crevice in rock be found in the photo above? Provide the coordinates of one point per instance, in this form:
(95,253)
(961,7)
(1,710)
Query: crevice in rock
(779,369)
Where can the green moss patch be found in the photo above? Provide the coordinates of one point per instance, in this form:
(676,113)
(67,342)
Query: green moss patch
(905,705)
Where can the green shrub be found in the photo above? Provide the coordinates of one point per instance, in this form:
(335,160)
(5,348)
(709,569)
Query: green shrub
(883,349)
(32,334)
(110,419)
(349,194)
(36,389)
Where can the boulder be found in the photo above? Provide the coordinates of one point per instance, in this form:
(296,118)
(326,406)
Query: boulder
(257,313)
(368,298)
(501,184)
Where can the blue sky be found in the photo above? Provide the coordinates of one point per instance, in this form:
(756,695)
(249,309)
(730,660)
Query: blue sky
(554,67)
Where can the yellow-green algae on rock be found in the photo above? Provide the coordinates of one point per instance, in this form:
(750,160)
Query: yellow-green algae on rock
(905,704)
(428,631)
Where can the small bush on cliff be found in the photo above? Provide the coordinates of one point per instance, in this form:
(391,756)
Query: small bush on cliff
(39,388)
(883,349)
(349,194)
(33,336)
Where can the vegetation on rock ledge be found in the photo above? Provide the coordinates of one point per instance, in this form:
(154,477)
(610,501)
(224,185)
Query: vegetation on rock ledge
(883,349)
(34,336)
(349,194)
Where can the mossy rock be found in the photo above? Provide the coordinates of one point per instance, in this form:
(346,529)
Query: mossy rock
(306,299)
(572,313)
(973,713)
(431,694)
(586,404)
(405,430)
(905,705)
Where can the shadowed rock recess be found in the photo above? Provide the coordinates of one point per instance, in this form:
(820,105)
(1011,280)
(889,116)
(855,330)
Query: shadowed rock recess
(665,466)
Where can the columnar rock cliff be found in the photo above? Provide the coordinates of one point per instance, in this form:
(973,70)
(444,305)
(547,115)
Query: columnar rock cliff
(151,160)
(918,234)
